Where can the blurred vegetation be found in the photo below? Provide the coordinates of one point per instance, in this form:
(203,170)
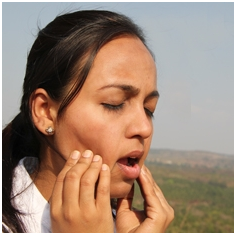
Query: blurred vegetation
(202,197)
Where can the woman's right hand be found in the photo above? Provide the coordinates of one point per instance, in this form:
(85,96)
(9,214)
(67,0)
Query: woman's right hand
(80,202)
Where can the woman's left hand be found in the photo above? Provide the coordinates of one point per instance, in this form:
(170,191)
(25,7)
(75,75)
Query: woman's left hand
(157,213)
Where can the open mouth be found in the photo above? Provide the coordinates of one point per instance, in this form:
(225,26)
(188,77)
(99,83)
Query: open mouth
(131,161)
(128,161)
(129,167)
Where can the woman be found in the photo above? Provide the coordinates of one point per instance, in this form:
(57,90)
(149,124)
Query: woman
(83,131)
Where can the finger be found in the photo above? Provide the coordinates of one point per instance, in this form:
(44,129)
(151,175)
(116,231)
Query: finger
(149,175)
(56,197)
(147,190)
(103,188)
(156,188)
(88,183)
(126,202)
(71,189)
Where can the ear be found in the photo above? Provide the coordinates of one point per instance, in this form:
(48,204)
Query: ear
(43,110)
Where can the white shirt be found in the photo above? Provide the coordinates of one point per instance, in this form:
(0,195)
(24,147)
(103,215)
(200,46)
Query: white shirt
(29,200)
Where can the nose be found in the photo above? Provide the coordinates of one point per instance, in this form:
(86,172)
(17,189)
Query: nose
(139,125)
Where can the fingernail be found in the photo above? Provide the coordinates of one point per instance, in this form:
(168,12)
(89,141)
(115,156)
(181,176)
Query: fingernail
(87,154)
(75,155)
(104,167)
(96,158)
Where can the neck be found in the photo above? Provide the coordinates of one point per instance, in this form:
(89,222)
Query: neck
(50,166)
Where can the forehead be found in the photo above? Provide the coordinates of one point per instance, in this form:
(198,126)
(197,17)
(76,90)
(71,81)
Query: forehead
(123,60)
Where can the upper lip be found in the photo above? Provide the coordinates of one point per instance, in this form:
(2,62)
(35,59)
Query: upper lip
(134,154)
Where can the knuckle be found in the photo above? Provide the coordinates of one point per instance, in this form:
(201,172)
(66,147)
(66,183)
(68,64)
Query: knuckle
(153,193)
(68,215)
(86,181)
(60,178)
(70,164)
(104,190)
(72,175)
(87,218)
(164,214)
(171,213)
(54,213)
(95,165)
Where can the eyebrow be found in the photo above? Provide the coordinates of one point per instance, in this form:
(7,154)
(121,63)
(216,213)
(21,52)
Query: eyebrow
(153,94)
(131,90)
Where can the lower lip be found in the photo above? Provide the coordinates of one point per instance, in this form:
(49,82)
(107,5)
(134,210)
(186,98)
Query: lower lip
(131,172)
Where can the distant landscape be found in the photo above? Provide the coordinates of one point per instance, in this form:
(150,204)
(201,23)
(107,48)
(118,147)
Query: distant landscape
(198,185)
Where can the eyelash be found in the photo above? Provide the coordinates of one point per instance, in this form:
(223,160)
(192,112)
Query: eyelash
(113,107)
(149,113)
(118,107)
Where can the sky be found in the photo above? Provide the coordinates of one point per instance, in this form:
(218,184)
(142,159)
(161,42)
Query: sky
(193,45)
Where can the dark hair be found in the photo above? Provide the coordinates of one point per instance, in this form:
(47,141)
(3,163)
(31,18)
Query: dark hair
(59,62)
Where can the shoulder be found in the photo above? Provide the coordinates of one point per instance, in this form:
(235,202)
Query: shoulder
(27,198)
(21,176)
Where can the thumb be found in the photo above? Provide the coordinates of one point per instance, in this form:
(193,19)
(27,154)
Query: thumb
(124,204)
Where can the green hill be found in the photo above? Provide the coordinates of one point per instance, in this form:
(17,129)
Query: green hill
(198,185)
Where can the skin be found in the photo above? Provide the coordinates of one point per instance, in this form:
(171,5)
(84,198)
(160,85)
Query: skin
(110,118)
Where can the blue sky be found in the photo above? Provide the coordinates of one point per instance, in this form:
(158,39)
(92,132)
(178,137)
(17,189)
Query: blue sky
(193,45)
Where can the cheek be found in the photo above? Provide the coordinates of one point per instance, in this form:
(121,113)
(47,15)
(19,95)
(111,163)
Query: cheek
(89,132)
(147,145)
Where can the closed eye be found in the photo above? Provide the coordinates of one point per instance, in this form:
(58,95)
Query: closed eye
(149,113)
(117,107)
(113,106)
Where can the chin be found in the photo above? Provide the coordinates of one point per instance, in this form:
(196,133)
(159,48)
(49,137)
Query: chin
(121,190)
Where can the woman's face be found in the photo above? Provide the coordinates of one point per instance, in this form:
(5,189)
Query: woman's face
(112,114)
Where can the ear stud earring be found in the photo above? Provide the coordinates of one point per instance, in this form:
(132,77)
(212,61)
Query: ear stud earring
(50,130)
